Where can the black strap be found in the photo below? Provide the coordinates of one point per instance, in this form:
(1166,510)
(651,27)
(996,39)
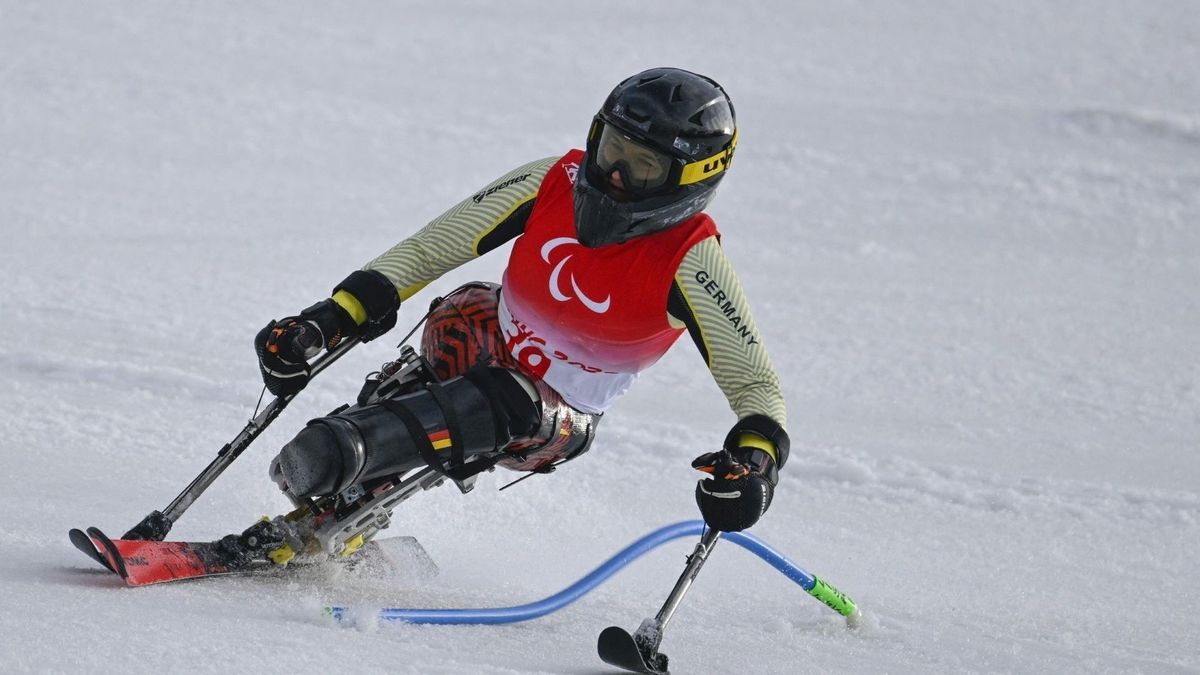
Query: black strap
(417,432)
(481,378)
(452,423)
(458,469)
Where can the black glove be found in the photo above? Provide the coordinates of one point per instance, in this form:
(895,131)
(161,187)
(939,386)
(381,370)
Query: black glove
(740,490)
(285,346)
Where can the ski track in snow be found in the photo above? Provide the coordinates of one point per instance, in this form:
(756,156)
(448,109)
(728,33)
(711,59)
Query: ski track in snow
(969,233)
(898,480)
(1134,125)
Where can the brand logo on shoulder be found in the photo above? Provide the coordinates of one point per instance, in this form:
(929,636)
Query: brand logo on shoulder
(556,290)
(572,170)
(500,186)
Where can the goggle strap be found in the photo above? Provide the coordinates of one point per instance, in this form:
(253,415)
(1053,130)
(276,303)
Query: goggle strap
(702,169)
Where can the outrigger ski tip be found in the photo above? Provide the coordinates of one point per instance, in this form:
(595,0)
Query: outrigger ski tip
(618,648)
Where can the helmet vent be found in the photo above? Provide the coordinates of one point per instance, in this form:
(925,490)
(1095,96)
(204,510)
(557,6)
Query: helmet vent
(647,80)
(677,93)
(638,116)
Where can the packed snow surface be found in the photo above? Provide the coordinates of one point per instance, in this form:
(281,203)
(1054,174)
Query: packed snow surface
(970,233)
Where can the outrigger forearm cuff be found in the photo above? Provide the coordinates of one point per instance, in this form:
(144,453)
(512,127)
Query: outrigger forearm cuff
(767,428)
(379,298)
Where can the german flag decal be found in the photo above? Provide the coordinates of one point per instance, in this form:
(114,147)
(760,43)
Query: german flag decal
(440,439)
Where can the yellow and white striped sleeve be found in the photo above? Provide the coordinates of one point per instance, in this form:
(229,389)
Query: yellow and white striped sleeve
(708,299)
(474,226)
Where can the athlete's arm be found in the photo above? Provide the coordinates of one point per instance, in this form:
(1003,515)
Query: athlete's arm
(707,298)
(364,305)
(484,221)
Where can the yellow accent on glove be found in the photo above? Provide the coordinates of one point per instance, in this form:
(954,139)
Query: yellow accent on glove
(351,304)
(748,440)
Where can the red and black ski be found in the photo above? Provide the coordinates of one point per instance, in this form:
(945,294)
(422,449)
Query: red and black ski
(141,563)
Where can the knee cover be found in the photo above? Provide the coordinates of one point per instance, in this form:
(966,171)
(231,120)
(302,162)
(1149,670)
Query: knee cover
(458,420)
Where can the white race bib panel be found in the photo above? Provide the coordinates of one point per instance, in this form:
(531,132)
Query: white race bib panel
(589,388)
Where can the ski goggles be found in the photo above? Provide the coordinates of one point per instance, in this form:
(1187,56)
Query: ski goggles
(645,170)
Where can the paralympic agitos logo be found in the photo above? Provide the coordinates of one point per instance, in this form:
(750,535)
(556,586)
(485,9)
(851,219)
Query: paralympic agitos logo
(556,288)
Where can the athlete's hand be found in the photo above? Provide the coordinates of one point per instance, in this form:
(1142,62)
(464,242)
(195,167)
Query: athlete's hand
(285,346)
(740,489)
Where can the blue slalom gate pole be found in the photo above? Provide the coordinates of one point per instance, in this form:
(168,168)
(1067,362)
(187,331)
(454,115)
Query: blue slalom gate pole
(818,588)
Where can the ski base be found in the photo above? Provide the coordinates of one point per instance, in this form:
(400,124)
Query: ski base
(618,648)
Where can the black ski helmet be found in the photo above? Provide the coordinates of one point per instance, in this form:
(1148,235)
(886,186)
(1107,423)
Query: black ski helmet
(669,135)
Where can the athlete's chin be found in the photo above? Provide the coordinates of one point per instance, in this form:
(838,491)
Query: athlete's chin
(619,195)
